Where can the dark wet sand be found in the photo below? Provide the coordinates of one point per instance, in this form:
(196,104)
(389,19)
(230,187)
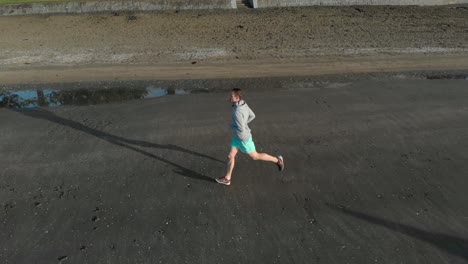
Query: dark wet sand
(375,173)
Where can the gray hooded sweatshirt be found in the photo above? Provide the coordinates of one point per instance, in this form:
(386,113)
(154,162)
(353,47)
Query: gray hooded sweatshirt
(241,116)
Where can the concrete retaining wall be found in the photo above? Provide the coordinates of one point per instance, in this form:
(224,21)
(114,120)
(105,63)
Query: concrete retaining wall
(283,3)
(102,6)
(150,5)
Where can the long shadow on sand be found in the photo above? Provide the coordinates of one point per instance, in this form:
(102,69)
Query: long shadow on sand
(453,245)
(120,141)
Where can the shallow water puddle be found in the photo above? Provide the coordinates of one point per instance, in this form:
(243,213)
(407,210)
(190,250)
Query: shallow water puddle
(56,98)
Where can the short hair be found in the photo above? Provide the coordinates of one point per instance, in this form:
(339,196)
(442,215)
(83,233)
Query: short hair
(237,92)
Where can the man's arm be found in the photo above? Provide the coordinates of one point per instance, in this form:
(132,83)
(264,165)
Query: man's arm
(251,116)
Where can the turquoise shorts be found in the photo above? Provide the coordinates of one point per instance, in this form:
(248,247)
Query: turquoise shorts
(247,146)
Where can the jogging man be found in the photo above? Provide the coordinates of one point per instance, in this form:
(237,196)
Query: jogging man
(242,140)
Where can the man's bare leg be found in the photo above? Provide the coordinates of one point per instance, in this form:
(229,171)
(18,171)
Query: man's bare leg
(231,162)
(263,156)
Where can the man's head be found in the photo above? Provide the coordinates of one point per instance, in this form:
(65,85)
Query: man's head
(236,95)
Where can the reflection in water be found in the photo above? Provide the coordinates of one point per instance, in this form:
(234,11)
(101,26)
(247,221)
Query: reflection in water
(55,98)
(29,98)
